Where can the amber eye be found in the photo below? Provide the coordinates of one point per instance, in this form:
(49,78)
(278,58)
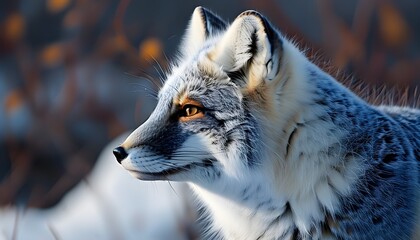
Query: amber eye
(190,110)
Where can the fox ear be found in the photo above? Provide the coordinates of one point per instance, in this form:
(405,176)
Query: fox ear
(203,24)
(250,44)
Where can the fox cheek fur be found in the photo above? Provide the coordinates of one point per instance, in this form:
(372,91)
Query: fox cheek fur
(225,137)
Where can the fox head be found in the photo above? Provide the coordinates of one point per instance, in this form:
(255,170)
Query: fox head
(217,106)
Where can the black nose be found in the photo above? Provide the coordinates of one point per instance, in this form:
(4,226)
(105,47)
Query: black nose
(120,154)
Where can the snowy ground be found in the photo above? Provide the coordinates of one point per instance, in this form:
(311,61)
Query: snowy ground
(110,204)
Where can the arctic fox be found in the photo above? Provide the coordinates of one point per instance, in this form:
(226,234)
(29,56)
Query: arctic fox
(274,147)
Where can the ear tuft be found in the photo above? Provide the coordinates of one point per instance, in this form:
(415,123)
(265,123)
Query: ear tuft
(250,44)
(203,25)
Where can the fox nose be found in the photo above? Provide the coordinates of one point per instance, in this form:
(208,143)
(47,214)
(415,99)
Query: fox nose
(120,154)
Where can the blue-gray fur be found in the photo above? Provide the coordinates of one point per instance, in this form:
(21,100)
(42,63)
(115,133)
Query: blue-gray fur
(384,202)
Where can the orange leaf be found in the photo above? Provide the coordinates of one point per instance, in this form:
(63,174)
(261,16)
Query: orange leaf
(393,27)
(14,27)
(56,6)
(52,54)
(150,49)
(13,100)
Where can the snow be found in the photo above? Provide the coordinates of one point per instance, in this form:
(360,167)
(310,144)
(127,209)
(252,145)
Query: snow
(110,204)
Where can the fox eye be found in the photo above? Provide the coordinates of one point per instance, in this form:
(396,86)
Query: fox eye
(190,110)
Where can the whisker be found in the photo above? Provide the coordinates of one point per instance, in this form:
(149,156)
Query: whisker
(173,189)
(146,90)
(162,72)
(145,76)
(150,78)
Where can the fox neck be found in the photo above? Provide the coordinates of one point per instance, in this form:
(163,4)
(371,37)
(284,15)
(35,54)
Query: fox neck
(305,170)
(242,208)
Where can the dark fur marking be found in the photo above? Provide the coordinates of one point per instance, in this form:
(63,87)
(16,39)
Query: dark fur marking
(290,140)
(273,38)
(321,102)
(212,23)
(208,162)
(389,158)
(296,234)
(300,124)
(245,194)
(262,235)
(252,47)
(376,220)
(229,141)
(250,154)
(237,75)
(272,223)
(301,155)
(166,141)
(384,172)
(268,62)
(287,209)
(388,139)
(261,204)
(325,118)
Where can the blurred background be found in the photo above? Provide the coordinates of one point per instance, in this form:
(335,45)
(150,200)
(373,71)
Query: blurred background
(75,74)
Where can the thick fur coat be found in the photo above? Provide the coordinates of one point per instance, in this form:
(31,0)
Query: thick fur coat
(274,147)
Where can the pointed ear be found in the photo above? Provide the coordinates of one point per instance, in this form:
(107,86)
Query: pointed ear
(250,44)
(203,24)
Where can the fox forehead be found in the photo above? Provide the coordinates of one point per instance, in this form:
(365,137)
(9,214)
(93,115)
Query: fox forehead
(196,79)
